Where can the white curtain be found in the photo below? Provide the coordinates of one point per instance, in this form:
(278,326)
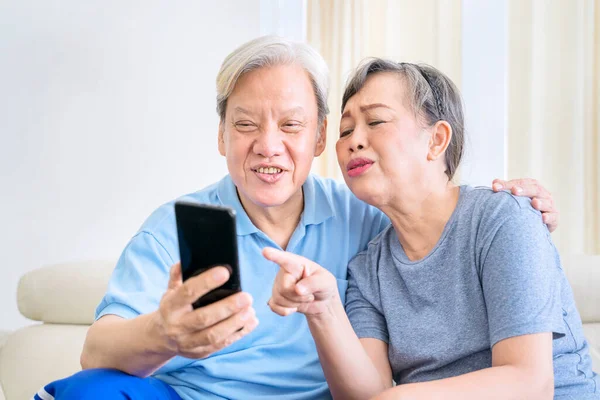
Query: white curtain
(553,108)
(345,32)
(553,95)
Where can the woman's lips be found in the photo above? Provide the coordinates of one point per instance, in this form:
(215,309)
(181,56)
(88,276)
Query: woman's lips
(358,170)
(358,166)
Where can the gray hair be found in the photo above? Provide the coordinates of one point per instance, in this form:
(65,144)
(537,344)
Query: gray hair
(269,51)
(432,96)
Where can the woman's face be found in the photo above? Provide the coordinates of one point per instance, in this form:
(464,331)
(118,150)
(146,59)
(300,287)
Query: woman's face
(270,134)
(382,146)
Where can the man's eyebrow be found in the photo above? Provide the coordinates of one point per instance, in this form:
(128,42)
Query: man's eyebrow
(367,108)
(293,110)
(243,111)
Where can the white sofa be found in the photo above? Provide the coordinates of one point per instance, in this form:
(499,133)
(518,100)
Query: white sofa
(63,298)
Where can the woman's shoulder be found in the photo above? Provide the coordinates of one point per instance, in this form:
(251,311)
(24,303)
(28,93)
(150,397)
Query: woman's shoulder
(377,246)
(484,212)
(485,204)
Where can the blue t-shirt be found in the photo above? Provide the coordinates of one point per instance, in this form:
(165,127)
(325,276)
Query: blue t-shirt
(278,359)
(493,274)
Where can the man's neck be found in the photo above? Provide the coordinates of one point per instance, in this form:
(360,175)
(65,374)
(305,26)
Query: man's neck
(278,222)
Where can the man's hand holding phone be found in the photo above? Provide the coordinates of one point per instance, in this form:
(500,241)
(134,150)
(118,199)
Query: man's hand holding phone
(197,333)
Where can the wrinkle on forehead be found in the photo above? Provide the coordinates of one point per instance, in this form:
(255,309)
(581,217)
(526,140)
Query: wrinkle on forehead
(282,88)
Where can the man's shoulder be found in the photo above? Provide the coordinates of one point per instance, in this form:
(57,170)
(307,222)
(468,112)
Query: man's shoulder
(340,196)
(329,186)
(162,219)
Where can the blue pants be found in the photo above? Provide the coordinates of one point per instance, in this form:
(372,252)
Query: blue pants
(98,384)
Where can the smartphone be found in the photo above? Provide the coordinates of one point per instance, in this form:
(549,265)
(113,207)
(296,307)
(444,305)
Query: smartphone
(207,238)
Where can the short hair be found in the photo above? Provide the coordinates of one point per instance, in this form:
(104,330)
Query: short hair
(431,94)
(269,51)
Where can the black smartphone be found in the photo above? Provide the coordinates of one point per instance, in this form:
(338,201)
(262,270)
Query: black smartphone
(207,238)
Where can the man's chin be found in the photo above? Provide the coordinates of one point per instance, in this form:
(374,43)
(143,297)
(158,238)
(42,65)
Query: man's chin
(271,201)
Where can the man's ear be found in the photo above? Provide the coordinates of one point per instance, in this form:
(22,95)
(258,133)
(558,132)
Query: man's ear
(321,138)
(222,138)
(439,140)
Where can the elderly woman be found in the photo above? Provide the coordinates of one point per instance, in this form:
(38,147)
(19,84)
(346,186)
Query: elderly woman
(463,295)
(148,341)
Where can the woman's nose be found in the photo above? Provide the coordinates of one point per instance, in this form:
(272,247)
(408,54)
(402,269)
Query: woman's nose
(269,143)
(357,140)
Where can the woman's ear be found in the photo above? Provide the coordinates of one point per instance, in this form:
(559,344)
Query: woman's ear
(321,138)
(439,140)
(222,139)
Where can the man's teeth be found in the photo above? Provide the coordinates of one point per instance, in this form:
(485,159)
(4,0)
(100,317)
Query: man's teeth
(269,170)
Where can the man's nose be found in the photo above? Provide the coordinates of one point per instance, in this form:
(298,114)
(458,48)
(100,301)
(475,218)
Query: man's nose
(269,143)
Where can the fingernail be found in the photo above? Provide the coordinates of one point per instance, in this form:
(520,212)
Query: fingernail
(301,289)
(247,314)
(498,186)
(539,205)
(219,274)
(518,189)
(243,301)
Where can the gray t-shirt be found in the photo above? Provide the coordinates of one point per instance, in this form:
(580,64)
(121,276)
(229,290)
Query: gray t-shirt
(493,274)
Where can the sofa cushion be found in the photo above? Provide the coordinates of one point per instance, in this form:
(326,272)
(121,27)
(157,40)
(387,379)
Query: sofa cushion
(592,334)
(583,272)
(3,338)
(37,355)
(64,293)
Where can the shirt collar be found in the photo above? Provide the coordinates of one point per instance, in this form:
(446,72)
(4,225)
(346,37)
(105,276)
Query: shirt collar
(318,205)
(228,196)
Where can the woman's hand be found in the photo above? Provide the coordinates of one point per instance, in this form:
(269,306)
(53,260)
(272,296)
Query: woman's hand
(541,199)
(301,285)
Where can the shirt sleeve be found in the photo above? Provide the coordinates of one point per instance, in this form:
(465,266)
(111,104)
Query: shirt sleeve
(139,280)
(362,300)
(520,279)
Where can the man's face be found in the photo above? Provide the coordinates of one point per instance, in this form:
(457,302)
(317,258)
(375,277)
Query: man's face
(271,134)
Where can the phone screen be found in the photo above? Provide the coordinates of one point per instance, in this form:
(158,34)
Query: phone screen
(207,238)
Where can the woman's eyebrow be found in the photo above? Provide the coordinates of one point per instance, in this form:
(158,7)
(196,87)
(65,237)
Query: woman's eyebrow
(367,108)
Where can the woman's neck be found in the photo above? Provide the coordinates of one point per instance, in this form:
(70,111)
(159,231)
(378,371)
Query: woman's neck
(419,220)
(278,222)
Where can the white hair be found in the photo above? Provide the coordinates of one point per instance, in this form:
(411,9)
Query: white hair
(269,51)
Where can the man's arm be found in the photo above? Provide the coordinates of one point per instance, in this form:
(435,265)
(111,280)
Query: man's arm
(141,345)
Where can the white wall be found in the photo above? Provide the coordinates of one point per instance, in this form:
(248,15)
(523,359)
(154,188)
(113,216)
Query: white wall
(107,110)
(484,90)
